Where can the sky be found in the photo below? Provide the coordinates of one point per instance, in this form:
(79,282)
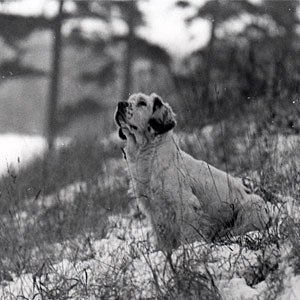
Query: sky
(165,22)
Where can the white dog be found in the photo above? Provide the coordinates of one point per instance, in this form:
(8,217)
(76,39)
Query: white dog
(185,199)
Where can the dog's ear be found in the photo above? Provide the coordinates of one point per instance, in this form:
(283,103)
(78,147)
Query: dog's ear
(157,102)
(122,135)
(163,118)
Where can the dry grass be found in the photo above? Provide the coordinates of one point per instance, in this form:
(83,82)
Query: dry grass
(44,223)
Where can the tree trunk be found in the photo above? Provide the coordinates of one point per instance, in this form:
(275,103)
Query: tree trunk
(209,103)
(55,77)
(128,57)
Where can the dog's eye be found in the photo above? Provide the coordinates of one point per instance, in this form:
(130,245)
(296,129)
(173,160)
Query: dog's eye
(133,127)
(141,103)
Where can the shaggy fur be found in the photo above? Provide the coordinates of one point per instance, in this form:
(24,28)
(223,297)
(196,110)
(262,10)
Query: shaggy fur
(185,199)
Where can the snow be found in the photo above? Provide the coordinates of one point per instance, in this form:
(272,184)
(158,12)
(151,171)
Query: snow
(292,290)
(22,285)
(237,289)
(17,151)
(293,293)
(126,255)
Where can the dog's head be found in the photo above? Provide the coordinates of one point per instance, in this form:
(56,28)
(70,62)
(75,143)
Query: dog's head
(144,117)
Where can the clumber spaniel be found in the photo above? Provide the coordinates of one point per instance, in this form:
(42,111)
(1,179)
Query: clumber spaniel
(186,199)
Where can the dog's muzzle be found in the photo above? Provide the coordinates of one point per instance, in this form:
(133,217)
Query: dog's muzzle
(121,112)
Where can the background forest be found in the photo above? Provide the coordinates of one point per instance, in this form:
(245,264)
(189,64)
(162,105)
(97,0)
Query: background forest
(250,58)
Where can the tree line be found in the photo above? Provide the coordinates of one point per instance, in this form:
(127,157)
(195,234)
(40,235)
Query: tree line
(257,63)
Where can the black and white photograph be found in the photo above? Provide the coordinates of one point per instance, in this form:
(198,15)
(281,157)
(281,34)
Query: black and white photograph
(150,149)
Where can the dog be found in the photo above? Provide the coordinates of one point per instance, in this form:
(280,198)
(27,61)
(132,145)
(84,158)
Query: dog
(184,198)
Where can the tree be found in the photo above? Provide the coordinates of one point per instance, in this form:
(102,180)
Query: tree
(285,15)
(13,29)
(130,13)
(133,18)
(135,46)
(217,12)
(55,77)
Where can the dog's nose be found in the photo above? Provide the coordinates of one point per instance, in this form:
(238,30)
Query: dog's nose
(122,104)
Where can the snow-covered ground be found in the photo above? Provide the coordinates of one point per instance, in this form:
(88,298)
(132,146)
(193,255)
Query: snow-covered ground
(17,150)
(126,261)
